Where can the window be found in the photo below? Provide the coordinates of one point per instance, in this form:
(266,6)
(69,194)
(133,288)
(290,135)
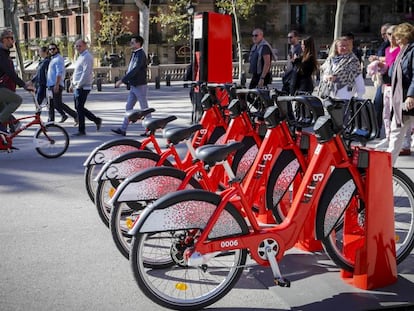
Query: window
(364,17)
(298,17)
(50,26)
(403,6)
(26,31)
(79,24)
(38,29)
(64,26)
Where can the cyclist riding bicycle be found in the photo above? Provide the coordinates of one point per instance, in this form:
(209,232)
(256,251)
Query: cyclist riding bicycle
(10,101)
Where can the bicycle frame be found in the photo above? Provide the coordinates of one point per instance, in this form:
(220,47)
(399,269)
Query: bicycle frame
(36,120)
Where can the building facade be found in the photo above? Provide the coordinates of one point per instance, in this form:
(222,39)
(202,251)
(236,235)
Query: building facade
(64,21)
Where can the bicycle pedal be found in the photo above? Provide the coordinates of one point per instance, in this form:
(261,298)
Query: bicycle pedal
(282,282)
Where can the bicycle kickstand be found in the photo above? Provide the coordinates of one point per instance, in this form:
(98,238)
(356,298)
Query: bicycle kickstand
(278,279)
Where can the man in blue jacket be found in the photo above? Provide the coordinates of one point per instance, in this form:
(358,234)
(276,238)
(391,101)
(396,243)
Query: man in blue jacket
(136,78)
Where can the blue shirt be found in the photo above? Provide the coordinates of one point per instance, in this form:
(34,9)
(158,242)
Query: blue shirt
(56,68)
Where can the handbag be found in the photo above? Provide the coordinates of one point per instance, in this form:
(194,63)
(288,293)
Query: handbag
(325,88)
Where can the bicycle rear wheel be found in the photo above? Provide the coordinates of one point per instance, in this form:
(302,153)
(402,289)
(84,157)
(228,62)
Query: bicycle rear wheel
(148,186)
(344,197)
(52,141)
(178,285)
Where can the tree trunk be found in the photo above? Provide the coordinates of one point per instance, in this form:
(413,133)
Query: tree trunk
(13,14)
(239,50)
(340,6)
(144,17)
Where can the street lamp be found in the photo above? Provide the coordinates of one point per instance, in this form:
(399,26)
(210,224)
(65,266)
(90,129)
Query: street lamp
(190,12)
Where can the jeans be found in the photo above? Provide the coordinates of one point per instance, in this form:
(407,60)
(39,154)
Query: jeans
(379,105)
(398,135)
(56,103)
(11,101)
(136,93)
(80,96)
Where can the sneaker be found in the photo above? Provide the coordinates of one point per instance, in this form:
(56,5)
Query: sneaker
(79,134)
(76,122)
(98,123)
(64,118)
(119,131)
(383,144)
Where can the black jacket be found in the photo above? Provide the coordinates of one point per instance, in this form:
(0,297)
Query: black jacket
(40,77)
(138,75)
(7,68)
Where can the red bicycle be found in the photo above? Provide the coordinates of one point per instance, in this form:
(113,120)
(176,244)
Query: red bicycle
(207,236)
(50,140)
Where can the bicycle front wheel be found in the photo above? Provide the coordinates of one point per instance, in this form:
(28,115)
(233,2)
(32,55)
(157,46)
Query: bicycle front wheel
(344,197)
(51,141)
(178,285)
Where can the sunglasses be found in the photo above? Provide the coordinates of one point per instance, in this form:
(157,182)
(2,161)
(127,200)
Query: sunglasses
(52,49)
(290,37)
(255,35)
(389,33)
(9,37)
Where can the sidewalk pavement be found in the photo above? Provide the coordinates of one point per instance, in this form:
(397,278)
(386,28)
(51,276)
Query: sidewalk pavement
(57,255)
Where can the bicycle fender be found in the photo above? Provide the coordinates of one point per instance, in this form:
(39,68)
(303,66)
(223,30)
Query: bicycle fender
(151,184)
(340,179)
(127,164)
(187,209)
(111,149)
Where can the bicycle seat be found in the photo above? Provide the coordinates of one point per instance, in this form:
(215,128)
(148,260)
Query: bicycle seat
(177,134)
(236,107)
(154,124)
(273,117)
(136,115)
(212,154)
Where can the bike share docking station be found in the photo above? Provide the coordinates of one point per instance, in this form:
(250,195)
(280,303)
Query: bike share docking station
(374,250)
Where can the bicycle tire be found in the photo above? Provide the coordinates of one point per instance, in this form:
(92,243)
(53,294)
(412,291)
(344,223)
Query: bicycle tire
(51,149)
(341,196)
(102,154)
(132,162)
(180,286)
(149,185)
(282,175)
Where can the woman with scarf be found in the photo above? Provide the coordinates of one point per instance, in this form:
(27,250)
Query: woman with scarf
(341,75)
(402,85)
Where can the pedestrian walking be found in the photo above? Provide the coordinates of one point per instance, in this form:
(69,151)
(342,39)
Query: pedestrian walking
(136,78)
(261,56)
(380,56)
(55,83)
(40,78)
(402,86)
(304,67)
(81,86)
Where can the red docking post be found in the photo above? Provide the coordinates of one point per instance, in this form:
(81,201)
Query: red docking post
(374,247)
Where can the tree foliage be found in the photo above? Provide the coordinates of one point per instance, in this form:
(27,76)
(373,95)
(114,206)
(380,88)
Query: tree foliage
(175,18)
(113,25)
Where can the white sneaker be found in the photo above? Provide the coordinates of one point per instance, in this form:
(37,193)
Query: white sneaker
(383,144)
